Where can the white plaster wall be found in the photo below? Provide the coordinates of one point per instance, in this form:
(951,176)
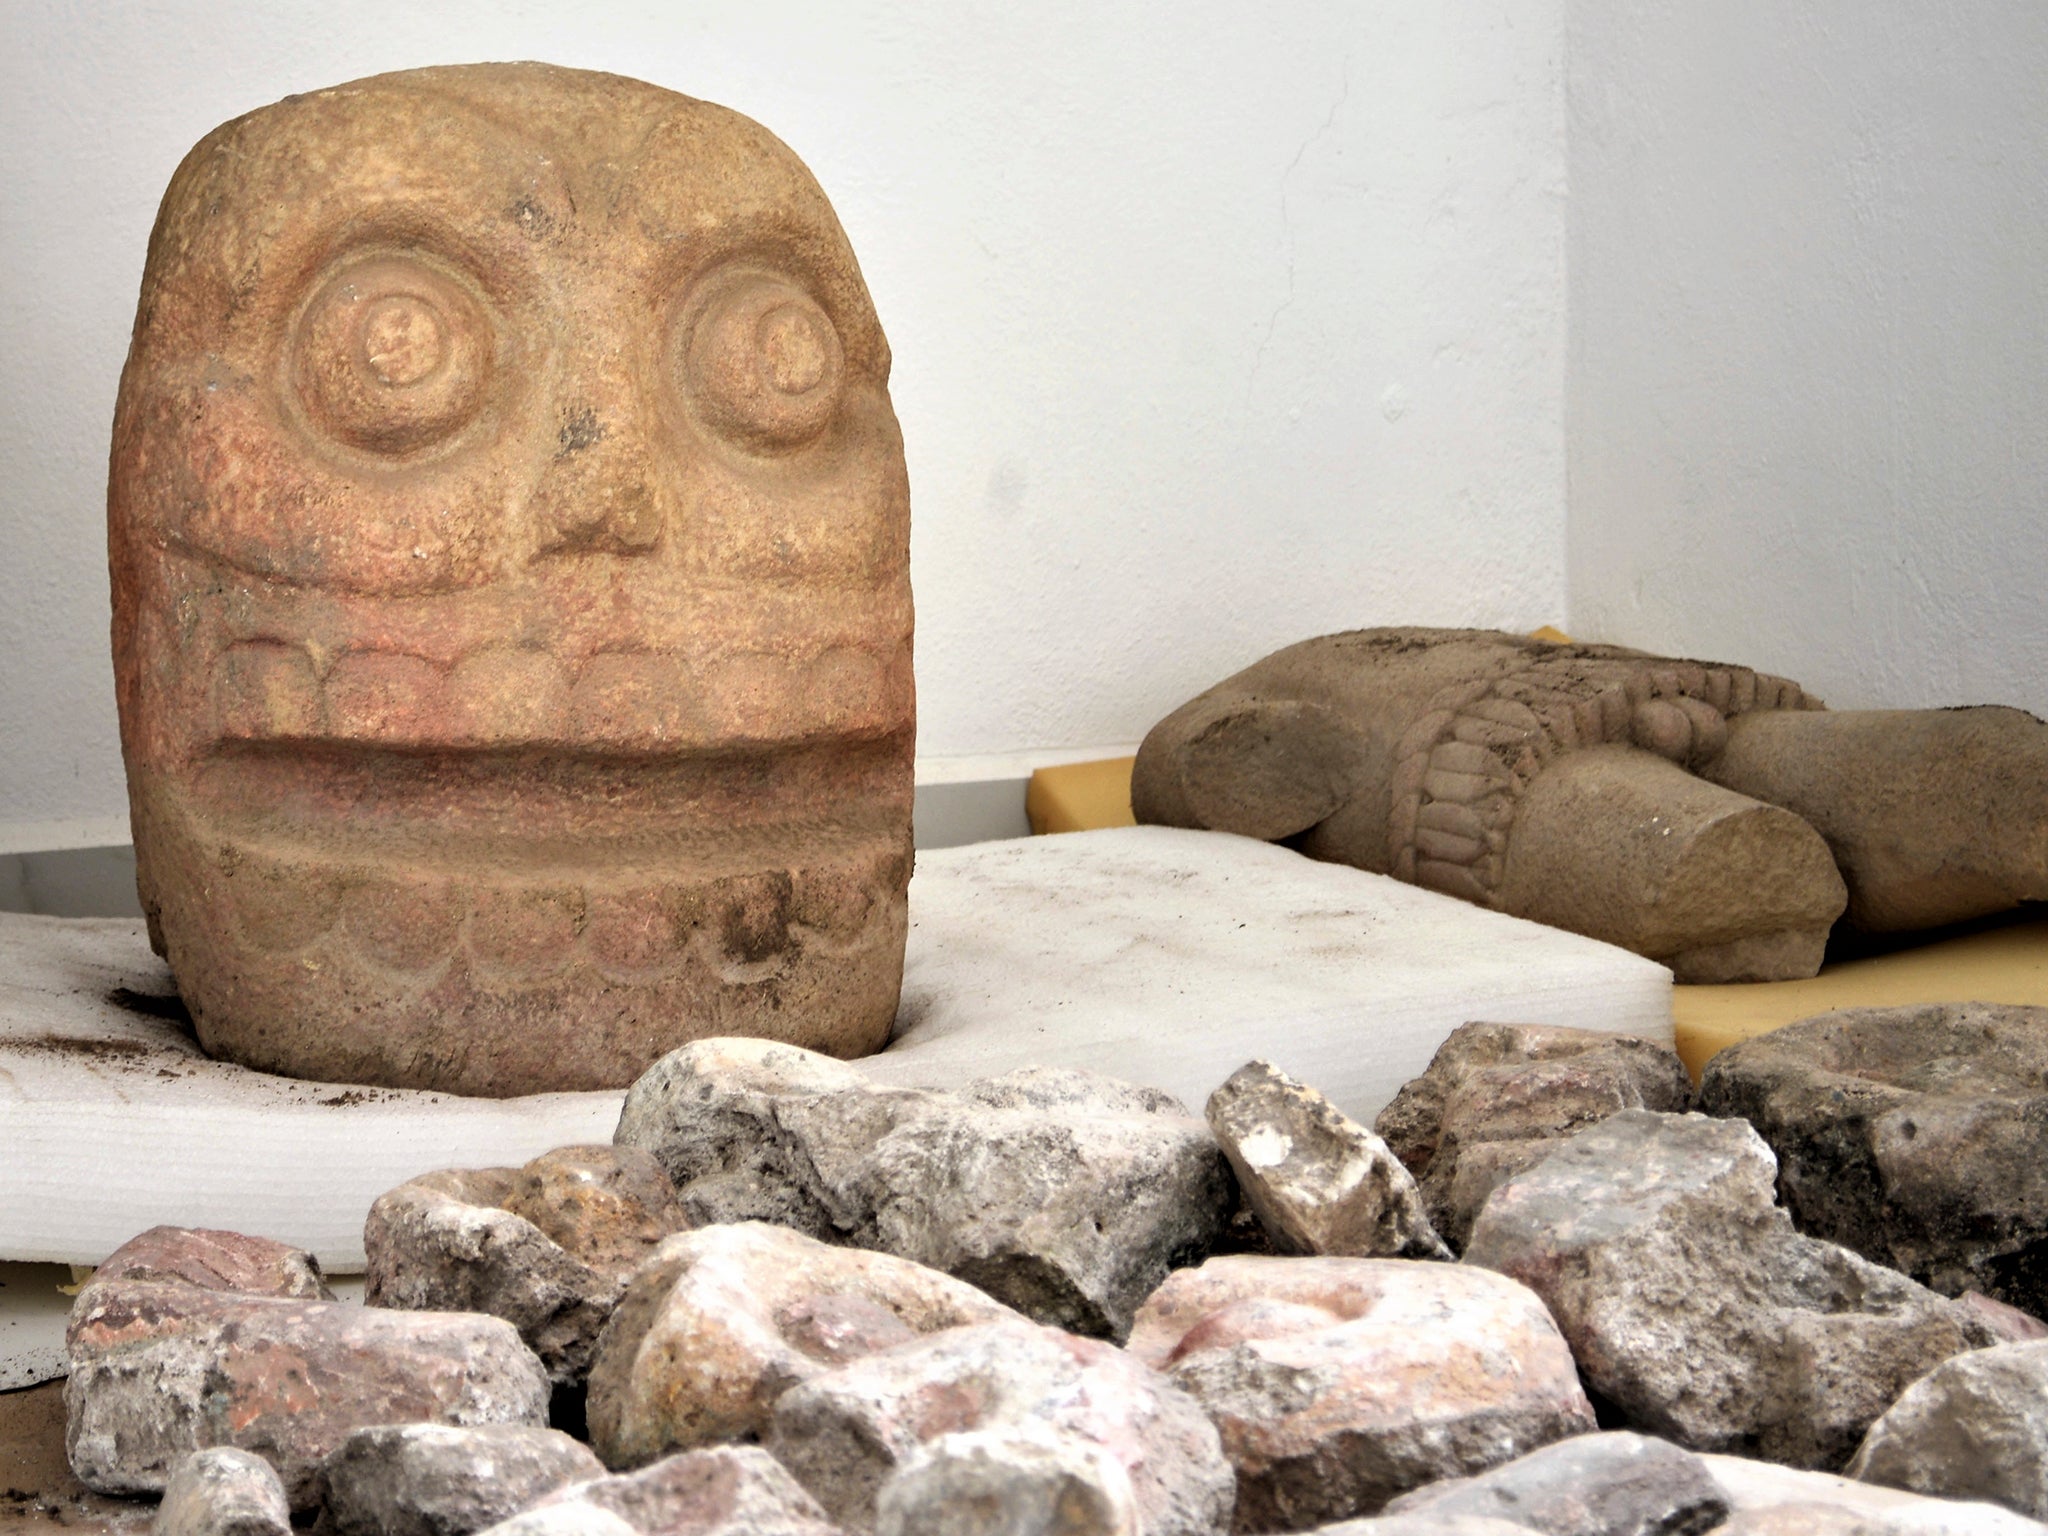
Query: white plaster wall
(1808,379)
(1216,326)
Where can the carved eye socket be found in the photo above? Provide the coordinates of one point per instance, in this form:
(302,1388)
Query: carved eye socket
(391,356)
(762,362)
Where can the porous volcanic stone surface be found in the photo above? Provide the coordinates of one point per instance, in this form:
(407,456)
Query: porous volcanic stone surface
(1973,1427)
(1495,1095)
(1615,1484)
(1913,1135)
(224,1492)
(708,1113)
(1318,1181)
(1018,1480)
(1691,1305)
(166,1361)
(847,1432)
(547,1247)
(723,1320)
(1338,1384)
(732,1490)
(1772,1500)
(444,1480)
(509,537)
(1065,1194)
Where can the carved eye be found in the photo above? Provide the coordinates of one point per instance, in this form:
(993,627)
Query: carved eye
(392,356)
(762,362)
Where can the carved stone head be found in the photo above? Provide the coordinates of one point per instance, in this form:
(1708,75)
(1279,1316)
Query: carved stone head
(512,615)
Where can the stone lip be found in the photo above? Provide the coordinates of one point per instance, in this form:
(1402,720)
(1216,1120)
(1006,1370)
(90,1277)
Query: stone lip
(1913,1135)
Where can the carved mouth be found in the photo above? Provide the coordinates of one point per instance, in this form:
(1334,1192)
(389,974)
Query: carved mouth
(535,814)
(523,868)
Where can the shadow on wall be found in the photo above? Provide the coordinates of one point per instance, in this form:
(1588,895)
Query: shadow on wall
(100,882)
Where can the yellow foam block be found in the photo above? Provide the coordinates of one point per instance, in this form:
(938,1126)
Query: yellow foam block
(2002,965)
(1081,797)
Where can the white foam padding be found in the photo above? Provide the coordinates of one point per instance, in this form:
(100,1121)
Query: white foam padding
(1171,958)
(113,1121)
(1163,957)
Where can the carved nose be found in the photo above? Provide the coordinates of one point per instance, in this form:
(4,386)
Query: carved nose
(600,493)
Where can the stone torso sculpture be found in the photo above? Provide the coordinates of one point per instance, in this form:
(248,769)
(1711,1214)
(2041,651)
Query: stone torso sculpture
(1705,815)
(512,620)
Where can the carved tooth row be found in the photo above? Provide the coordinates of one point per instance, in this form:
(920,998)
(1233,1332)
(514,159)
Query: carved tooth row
(1459,767)
(525,934)
(636,701)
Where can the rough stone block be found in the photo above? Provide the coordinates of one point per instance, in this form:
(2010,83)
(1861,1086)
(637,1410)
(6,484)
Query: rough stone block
(1338,1384)
(1693,1307)
(165,1361)
(723,1320)
(845,1433)
(1319,1182)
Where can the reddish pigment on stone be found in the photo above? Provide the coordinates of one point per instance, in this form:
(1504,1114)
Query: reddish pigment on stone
(509,539)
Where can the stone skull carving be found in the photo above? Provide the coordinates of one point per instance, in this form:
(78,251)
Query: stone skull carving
(512,620)
(1709,816)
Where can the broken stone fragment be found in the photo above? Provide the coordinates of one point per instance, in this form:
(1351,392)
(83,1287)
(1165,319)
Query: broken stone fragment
(845,1433)
(725,1319)
(163,1363)
(1779,1501)
(1338,1384)
(444,1480)
(223,1492)
(1973,1427)
(1693,1307)
(1064,1194)
(1591,1485)
(1319,1182)
(1018,1480)
(1913,1135)
(733,1490)
(1495,1094)
(547,1247)
(1067,1195)
(707,1113)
